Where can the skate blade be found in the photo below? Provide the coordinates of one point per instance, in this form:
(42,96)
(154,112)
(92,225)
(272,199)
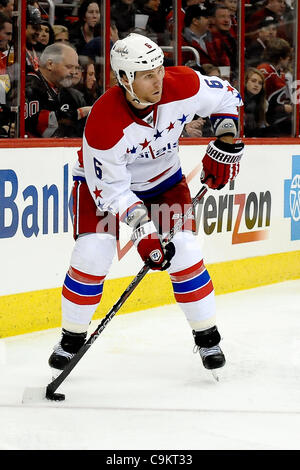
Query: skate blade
(215,375)
(34,394)
(55,373)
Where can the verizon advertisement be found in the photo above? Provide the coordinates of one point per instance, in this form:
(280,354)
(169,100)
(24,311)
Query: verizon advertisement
(258,214)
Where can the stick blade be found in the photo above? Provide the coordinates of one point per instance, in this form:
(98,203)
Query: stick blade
(34,394)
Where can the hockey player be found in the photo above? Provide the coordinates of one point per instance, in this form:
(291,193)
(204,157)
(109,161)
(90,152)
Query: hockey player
(129,163)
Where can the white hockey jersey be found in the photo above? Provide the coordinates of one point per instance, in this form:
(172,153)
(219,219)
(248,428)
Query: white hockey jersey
(125,159)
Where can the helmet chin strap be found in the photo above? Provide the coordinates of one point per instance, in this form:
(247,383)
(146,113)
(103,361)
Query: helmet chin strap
(134,96)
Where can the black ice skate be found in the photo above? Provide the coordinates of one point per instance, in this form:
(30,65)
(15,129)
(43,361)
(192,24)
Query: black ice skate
(66,349)
(207,343)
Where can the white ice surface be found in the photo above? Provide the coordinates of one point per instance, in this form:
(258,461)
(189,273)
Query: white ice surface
(140,386)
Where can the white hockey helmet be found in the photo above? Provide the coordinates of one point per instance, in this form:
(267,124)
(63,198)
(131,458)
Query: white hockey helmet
(133,54)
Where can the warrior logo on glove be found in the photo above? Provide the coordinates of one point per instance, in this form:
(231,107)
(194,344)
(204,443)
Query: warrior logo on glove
(221,163)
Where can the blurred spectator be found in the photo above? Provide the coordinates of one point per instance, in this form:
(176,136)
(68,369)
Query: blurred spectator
(7,7)
(94,48)
(50,112)
(220,30)
(112,79)
(61,33)
(114,32)
(185,5)
(290,21)
(66,11)
(255,50)
(211,70)
(77,76)
(254,103)
(155,23)
(201,126)
(276,58)
(45,37)
(87,27)
(72,124)
(88,84)
(232,6)
(252,6)
(5,81)
(194,128)
(5,38)
(122,12)
(275,9)
(196,34)
(33,28)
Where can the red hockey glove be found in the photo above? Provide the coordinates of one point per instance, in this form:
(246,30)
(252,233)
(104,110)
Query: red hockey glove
(147,242)
(221,163)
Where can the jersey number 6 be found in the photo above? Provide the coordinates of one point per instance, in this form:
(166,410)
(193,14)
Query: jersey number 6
(97,166)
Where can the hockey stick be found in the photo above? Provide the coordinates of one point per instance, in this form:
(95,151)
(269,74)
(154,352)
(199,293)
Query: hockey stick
(49,392)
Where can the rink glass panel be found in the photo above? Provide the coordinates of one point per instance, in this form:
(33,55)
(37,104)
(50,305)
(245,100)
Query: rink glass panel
(168,37)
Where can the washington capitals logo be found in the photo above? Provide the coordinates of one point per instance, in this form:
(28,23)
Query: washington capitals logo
(123,50)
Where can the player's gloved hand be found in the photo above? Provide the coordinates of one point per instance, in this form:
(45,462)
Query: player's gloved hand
(221,163)
(147,242)
(146,239)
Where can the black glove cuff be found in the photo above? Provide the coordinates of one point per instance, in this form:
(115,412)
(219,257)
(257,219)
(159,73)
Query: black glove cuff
(227,147)
(169,251)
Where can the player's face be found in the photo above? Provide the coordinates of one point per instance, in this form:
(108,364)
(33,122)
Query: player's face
(148,84)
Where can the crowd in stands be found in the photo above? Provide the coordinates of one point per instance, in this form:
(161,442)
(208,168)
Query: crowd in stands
(64,59)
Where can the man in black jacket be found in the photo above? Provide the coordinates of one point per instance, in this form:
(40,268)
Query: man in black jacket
(50,112)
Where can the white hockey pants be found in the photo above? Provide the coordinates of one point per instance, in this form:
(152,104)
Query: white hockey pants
(90,263)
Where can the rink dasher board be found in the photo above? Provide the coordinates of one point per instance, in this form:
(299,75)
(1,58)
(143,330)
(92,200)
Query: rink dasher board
(249,232)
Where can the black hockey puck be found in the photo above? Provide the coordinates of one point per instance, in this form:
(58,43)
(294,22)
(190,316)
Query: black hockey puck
(55,396)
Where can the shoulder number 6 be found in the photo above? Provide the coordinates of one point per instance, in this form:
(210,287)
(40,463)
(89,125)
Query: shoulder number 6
(97,166)
(213,83)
